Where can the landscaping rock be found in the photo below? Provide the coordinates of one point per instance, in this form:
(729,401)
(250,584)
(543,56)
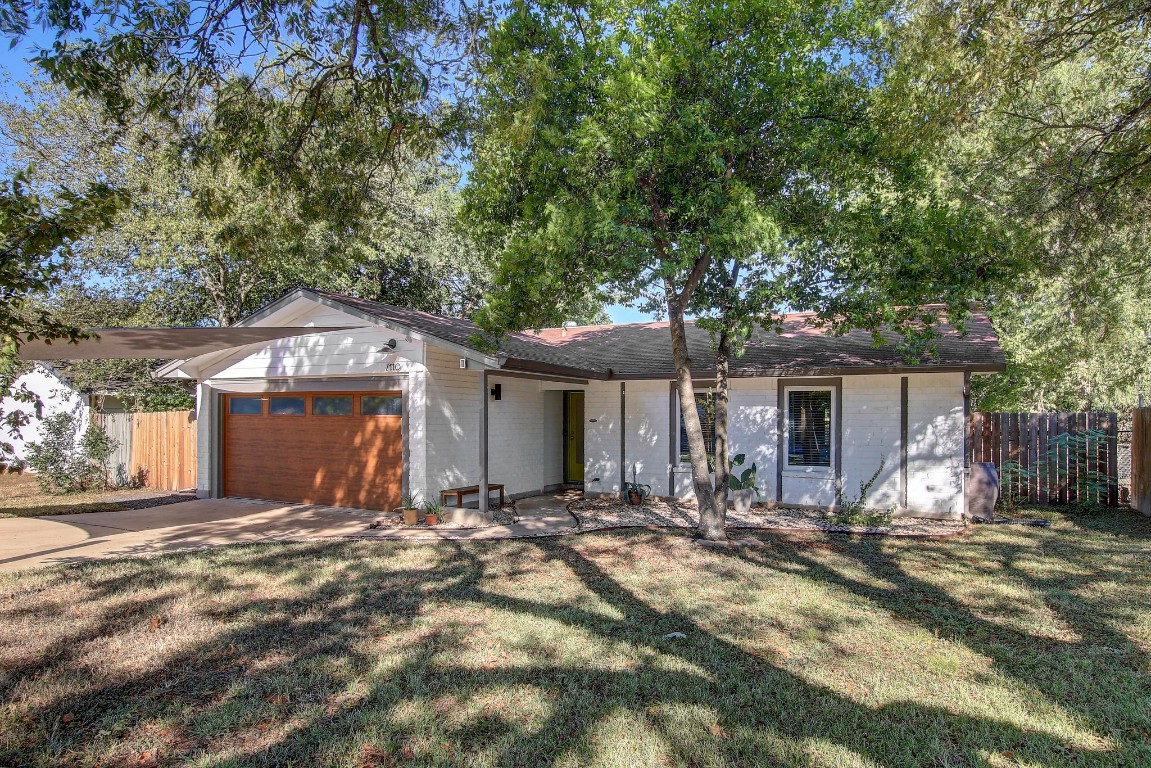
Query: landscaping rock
(596,514)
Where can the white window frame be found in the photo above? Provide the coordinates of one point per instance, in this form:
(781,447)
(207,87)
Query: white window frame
(807,470)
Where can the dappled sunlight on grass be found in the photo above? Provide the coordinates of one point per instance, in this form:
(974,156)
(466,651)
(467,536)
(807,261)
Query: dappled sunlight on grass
(1002,647)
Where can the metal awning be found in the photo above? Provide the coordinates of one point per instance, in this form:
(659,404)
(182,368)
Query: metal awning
(158,343)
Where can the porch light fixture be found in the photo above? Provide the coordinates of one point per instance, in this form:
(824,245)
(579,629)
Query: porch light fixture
(497,392)
(389,346)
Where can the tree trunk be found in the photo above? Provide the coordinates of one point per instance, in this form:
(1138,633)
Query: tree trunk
(700,473)
(713,523)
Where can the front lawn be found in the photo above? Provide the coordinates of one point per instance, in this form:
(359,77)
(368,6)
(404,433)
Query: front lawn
(20,496)
(1007,646)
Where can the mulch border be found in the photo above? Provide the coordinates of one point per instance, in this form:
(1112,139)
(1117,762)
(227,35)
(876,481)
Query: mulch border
(965,530)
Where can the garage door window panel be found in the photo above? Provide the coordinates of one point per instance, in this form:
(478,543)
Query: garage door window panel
(332,405)
(381,405)
(286,406)
(246,406)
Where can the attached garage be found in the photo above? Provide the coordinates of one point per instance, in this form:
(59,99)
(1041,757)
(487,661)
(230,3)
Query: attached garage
(341,449)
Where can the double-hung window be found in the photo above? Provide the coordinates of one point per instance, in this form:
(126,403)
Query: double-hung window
(705,407)
(809,427)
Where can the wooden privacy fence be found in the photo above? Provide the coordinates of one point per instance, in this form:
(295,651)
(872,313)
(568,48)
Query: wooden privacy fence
(1050,458)
(157,449)
(1141,460)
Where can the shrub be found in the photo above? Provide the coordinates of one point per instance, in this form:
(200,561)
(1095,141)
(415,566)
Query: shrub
(855,511)
(65,464)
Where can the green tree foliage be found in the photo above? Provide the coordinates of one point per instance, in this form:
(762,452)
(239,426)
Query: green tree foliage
(206,244)
(209,243)
(35,230)
(298,88)
(1044,112)
(723,160)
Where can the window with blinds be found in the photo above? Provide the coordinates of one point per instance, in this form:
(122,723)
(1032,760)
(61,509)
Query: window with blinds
(705,407)
(809,428)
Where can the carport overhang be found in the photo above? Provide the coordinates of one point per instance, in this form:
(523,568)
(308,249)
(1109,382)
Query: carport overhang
(177,344)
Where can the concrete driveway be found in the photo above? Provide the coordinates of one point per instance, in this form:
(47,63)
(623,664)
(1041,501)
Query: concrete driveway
(27,542)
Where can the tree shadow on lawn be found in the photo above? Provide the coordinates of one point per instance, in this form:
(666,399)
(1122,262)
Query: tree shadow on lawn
(234,698)
(1101,675)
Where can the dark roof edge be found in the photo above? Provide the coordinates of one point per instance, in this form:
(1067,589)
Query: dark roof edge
(532,366)
(863,370)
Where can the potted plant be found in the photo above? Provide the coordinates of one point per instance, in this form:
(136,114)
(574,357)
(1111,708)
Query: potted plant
(742,485)
(634,492)
(432,512)
(411,510)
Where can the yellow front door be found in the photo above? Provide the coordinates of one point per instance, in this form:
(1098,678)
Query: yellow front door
(573,437)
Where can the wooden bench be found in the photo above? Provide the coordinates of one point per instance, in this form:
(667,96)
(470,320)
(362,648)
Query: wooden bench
(466,490)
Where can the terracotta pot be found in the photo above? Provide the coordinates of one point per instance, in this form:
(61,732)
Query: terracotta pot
(634,498)
(411,517)
(432,519)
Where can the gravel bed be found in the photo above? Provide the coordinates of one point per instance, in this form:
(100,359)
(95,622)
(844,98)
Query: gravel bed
(595,514)
(156,501)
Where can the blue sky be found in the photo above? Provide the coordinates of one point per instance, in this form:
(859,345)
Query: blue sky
(621,314)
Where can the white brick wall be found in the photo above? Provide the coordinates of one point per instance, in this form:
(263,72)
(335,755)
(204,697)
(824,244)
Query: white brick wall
(935,443)
(648,436)
(870,433)
(205,449)
(601,437)
(752,427)
(553,438)
(870,436)
(516,436)
(525,429)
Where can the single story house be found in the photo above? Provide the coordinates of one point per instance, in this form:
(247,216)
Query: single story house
(388,402)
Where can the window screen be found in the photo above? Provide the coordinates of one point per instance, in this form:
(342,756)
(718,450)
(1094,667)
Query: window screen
(705,407)
(809,428)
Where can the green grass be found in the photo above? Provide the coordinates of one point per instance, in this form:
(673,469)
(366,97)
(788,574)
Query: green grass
(1007,646)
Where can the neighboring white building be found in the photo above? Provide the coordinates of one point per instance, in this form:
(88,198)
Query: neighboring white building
(398,401)
(56,396)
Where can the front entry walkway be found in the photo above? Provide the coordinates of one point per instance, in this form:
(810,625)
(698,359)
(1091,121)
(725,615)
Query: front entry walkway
(29,542)
(545,515)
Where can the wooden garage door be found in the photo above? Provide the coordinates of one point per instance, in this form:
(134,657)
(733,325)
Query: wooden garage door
(344,449)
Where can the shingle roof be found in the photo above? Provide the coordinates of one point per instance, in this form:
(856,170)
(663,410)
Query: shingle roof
(643,350)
